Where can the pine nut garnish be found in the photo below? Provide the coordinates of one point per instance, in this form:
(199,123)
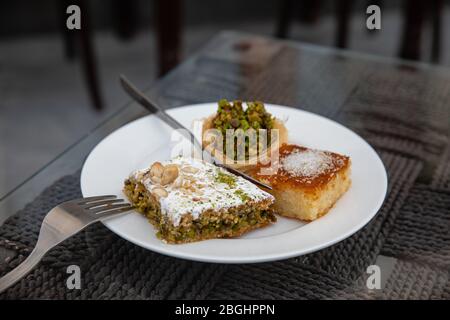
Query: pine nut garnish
(160,192)
(169,174)
(155,179)
(190,178)
(189,169)
(178,182)
(156,169)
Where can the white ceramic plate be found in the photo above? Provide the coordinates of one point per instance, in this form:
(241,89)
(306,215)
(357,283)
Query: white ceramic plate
(139,143)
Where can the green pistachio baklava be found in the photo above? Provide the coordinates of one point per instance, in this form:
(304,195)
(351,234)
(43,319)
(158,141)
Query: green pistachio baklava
(190,200)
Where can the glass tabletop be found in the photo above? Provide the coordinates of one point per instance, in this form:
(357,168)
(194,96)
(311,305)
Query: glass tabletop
(236,65)
(401,108)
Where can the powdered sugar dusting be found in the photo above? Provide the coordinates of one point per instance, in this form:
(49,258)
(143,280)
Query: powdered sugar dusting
(307,163)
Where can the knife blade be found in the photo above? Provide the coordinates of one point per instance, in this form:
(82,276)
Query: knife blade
(153,107)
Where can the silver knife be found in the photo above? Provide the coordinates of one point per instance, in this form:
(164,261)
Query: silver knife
(153,107)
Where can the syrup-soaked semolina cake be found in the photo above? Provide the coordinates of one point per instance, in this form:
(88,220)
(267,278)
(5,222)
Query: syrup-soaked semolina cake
(306,182)
(190,200)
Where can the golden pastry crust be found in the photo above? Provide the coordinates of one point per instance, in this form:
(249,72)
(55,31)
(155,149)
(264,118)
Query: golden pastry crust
(208,123)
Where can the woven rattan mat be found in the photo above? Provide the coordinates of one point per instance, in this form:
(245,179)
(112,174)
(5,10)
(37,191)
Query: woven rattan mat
(402,114)
(412,226)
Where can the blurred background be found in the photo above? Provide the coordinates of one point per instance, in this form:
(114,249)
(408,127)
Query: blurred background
(57,85)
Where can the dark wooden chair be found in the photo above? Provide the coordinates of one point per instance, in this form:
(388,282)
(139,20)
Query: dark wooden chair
(415,12)
(168,18)
(79,44)
(309,13)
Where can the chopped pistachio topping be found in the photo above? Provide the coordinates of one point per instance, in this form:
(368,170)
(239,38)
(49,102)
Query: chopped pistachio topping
(231,115)
(225,178)
(241,194)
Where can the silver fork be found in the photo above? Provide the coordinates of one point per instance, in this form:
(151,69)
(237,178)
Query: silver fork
(62,222)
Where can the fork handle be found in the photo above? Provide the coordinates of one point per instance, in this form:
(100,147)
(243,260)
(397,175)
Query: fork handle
(22,269)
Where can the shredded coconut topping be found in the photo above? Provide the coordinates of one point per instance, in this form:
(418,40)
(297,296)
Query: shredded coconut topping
(307,163)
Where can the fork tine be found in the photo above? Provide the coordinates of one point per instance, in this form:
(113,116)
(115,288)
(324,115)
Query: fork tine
(91,205)
(110,213)
(97,198)
(108,208)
